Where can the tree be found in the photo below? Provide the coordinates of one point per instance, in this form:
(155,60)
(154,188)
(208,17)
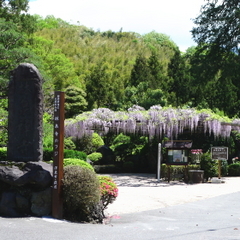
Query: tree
(215,63)
(75,102)
(157,79)
(179,82)
(140,71)
(99,87)
(54,65)
(16,12)
(12,50)
(15,28)
(218,25)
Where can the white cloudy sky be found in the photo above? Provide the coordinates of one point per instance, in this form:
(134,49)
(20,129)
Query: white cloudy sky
(171,17)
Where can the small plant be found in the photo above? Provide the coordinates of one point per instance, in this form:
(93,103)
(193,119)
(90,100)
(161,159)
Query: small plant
(77,162)
(109,190)
(81,195)
(209,166)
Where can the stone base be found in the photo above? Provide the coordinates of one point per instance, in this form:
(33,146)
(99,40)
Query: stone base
(25,189)
(217,180)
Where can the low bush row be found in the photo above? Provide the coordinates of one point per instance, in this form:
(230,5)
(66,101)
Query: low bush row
(48,154)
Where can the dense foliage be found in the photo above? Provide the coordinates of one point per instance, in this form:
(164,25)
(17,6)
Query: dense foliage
(119,69)
(81,194)
(77,162)
(116,70)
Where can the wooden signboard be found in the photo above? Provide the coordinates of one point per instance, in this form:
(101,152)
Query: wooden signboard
(58,141)
(219,153)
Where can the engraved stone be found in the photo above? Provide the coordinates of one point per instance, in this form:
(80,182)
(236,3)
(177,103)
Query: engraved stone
(25,114)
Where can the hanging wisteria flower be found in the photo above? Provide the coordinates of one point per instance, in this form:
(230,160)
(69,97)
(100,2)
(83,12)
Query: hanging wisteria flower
(155,122)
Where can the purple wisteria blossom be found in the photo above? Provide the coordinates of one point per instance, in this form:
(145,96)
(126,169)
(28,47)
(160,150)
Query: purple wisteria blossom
(155,122)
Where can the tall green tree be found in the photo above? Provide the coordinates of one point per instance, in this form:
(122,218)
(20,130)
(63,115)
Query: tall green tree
(16,26)
(218,25)
(217,57)
(180,86)
(99,87)
(157,79)
(75,102)
(140,71)
(12,50)
(17,12)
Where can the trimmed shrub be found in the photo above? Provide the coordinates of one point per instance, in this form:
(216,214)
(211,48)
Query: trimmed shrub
(69,144)
(81,195)
(109,190)
(75,154)
(177,171)
(94,157)
(48,154)
(89,144)
(77,162)
(234,169)
(3,154)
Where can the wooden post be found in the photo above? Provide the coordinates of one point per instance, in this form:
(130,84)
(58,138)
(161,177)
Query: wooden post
(219,168)
(58,146)
(169,173)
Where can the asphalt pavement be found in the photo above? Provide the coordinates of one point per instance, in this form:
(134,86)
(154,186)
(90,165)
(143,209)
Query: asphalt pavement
(216,218)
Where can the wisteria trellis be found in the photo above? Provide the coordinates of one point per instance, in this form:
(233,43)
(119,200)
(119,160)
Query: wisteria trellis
(156,121)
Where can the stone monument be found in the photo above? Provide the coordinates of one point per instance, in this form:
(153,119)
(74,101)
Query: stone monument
(25,180)
(25,114)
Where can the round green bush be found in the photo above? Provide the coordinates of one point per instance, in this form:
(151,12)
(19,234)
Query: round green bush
(77,162)
(89,144)
(81,195)
(94,157)
(69,144)
(234,169)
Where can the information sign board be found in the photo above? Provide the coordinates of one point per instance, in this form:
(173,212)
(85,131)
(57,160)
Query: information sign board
(219,153)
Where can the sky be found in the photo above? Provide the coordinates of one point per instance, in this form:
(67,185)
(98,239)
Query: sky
(171,17)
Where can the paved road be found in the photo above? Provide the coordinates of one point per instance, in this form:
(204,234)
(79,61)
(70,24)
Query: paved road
(215,218)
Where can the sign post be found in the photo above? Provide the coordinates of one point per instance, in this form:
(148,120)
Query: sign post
(219,153)
(159,162)
(58,145)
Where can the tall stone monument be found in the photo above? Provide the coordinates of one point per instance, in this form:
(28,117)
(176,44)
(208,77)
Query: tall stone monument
(25,114)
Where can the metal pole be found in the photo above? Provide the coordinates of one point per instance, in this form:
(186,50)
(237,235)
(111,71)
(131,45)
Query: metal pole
(159,162)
